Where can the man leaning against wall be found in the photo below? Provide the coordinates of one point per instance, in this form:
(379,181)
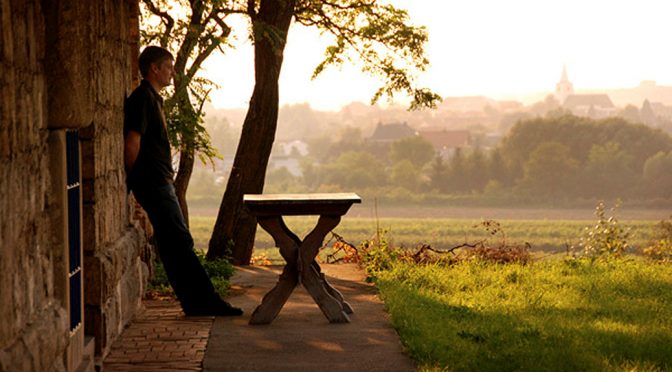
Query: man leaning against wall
(150,177)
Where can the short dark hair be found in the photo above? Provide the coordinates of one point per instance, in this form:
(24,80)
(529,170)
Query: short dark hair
(152,54)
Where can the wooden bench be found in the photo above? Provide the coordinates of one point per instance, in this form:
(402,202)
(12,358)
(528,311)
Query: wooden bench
(301,266)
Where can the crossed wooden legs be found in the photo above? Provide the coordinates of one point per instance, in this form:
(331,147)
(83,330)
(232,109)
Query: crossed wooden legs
(297,253)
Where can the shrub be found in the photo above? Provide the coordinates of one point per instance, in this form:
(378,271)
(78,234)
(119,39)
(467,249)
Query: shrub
(379,254)
(502,252)
(607,238)
(661,248)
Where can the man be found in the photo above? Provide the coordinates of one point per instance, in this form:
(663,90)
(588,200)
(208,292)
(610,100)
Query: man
(150,176)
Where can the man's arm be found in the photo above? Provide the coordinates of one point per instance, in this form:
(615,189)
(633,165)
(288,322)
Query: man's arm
(131,149)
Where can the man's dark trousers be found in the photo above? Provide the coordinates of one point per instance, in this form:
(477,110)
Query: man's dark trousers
(186,274)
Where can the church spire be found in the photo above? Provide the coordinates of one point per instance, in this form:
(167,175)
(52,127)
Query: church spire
(564,78)
(564,88)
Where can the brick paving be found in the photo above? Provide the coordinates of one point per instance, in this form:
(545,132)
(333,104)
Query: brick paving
(161,339)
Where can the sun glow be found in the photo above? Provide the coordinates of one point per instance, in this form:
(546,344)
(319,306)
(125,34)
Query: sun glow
(505,50)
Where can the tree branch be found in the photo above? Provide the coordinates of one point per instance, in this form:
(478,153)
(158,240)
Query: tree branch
(189,42)
(214,44)
(250,10)
(165,17)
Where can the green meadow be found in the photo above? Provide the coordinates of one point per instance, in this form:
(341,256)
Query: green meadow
(550,315)
(554,313)
(440,233)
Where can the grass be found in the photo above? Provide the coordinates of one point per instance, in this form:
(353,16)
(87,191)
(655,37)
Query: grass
(442,233)
(548,315)
(219,271)
(552,314)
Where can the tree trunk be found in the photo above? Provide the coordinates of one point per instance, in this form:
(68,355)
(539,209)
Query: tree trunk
(186,165)
(234,223)
(182,179)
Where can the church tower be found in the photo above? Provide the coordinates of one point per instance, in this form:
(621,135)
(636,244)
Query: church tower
(564,87)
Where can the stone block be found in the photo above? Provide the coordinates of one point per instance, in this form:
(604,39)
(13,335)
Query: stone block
(132,289)
(41,342)
(113,324)
(70,76)
(111,274)
(93,278)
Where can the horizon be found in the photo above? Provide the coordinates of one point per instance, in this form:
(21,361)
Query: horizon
(481,48)
(525,99)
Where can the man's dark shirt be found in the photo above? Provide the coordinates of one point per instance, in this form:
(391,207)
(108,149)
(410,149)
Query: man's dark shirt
(143,113)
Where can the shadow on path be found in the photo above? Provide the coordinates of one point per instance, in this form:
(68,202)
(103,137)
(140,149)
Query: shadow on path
(301,338)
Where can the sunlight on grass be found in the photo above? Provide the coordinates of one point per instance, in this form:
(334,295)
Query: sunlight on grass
(552,315)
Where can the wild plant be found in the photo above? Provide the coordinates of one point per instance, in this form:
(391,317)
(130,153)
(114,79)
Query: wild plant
(660,248)
(608,238)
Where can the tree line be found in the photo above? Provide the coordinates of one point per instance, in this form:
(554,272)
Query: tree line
(547,159)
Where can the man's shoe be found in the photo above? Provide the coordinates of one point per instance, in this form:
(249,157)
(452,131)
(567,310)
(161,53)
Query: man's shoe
(219,308)
(223,308)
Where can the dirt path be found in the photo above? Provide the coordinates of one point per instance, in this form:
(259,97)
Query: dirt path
(300,338)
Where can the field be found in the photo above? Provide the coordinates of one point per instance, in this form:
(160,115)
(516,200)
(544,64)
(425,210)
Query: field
(550,314)
(442,233)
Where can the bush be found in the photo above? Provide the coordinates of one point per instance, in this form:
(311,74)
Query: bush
(608,238)
(378,254)
(661,248)
(501,253)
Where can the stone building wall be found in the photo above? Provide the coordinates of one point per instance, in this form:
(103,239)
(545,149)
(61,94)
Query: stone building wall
(33,330)
(64,64)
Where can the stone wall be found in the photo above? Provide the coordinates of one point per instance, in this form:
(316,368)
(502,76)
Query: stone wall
(33,330)
(112,250)
(65,64)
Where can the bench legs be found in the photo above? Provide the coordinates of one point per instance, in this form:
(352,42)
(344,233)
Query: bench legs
(297,253)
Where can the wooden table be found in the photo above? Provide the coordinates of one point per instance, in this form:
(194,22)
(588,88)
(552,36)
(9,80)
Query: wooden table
(301,266)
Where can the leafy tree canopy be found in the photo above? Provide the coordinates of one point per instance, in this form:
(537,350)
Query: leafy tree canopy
(579,135)
(550,170)
(415,149)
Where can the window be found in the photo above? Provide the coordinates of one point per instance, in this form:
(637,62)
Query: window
(74,190)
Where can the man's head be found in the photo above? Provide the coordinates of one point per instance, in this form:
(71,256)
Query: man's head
(156,65)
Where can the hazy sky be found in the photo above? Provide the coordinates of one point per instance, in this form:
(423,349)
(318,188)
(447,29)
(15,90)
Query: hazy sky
(502,49)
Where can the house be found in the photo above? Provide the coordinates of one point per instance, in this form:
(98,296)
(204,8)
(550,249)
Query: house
(386,133)
(590,105)
(446,141)
(288,154)
(597,105)
(74,260)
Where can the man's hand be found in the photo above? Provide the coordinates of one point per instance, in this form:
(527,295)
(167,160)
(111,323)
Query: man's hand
(131,149)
